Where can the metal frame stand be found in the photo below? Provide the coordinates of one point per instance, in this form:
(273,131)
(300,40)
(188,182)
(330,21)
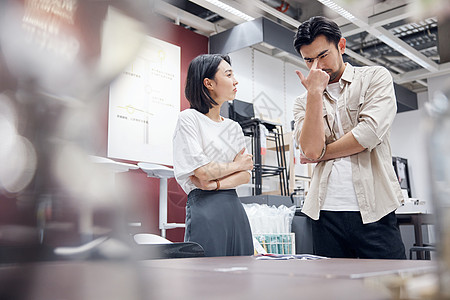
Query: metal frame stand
(251,128)
(162,173)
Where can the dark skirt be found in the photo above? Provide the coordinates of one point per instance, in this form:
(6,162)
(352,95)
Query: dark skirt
(217,221)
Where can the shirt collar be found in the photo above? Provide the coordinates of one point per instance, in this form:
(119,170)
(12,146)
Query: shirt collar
(347,75)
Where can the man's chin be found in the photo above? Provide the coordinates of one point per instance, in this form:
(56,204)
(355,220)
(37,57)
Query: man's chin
(332,79)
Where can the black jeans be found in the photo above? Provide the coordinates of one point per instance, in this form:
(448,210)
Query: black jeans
(343,234)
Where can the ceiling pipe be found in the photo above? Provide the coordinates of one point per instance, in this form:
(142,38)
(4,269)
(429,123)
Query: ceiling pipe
(290,11)
(376,44)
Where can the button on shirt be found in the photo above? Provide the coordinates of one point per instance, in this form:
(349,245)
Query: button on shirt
(366,107)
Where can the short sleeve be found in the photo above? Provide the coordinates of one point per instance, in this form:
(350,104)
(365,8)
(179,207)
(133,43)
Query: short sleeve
(188,154)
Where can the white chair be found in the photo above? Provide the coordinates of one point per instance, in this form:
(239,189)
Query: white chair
(148,238)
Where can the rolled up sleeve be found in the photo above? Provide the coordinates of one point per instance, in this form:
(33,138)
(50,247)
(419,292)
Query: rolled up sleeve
(299,116)
(377,110)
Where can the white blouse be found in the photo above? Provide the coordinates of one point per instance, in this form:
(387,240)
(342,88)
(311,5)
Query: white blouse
(198,140)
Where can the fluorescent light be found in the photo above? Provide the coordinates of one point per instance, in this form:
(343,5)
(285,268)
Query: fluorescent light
(346,14)
(230,9)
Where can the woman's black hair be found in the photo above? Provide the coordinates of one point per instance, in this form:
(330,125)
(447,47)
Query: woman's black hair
(201,67)
(309,30)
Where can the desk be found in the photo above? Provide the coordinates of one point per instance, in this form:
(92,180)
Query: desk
(417,219)
(207,278)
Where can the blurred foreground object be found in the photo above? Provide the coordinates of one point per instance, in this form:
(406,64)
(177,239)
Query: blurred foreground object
(439,161)
(69,48)
(57,59)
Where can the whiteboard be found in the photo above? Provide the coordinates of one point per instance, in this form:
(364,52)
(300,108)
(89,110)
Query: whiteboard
(144,103)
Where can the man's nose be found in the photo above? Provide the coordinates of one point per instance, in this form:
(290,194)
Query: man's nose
(319,64)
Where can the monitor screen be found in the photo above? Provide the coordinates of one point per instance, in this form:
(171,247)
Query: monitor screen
(241,111)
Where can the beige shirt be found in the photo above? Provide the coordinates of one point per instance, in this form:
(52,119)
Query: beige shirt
(367,107)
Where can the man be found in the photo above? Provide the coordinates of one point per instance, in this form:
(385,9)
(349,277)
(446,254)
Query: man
(342,123)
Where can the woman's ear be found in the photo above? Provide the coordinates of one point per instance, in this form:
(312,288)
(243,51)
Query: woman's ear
(208,83)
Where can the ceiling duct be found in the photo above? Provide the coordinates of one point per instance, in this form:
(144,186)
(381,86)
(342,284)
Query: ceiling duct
(252,33)
(406,100)
(444,39)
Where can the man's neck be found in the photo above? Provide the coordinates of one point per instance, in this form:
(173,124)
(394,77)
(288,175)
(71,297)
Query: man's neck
(340,75)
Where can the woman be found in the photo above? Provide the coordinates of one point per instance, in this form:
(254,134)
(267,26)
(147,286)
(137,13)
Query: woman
(210,160)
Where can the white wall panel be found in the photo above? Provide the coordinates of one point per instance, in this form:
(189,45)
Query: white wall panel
(241,62)
(294,88)
(269,83)
(407,125)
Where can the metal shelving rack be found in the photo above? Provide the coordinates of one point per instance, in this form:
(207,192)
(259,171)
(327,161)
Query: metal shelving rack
(251,128)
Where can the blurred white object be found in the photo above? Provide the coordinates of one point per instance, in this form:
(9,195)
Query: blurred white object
(18,158)
(66,52)
(148,238)
(104,246)
(69,251)
(438,126)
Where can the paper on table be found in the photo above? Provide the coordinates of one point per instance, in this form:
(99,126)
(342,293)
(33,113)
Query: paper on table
(288,256)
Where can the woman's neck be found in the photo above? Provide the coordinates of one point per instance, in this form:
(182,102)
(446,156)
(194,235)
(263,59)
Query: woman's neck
(214,114)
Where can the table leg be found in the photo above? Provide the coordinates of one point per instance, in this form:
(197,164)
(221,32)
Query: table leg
(417,222)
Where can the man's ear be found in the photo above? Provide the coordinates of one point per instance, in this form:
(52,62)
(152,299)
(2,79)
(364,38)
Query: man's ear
(208,84)
(341,45)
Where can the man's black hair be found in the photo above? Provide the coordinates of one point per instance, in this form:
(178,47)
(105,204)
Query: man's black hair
(309,30)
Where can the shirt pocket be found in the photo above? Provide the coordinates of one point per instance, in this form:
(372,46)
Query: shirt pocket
(327,122)
(353,110)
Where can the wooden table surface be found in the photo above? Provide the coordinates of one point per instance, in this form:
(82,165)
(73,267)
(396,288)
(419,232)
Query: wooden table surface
(203,278)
